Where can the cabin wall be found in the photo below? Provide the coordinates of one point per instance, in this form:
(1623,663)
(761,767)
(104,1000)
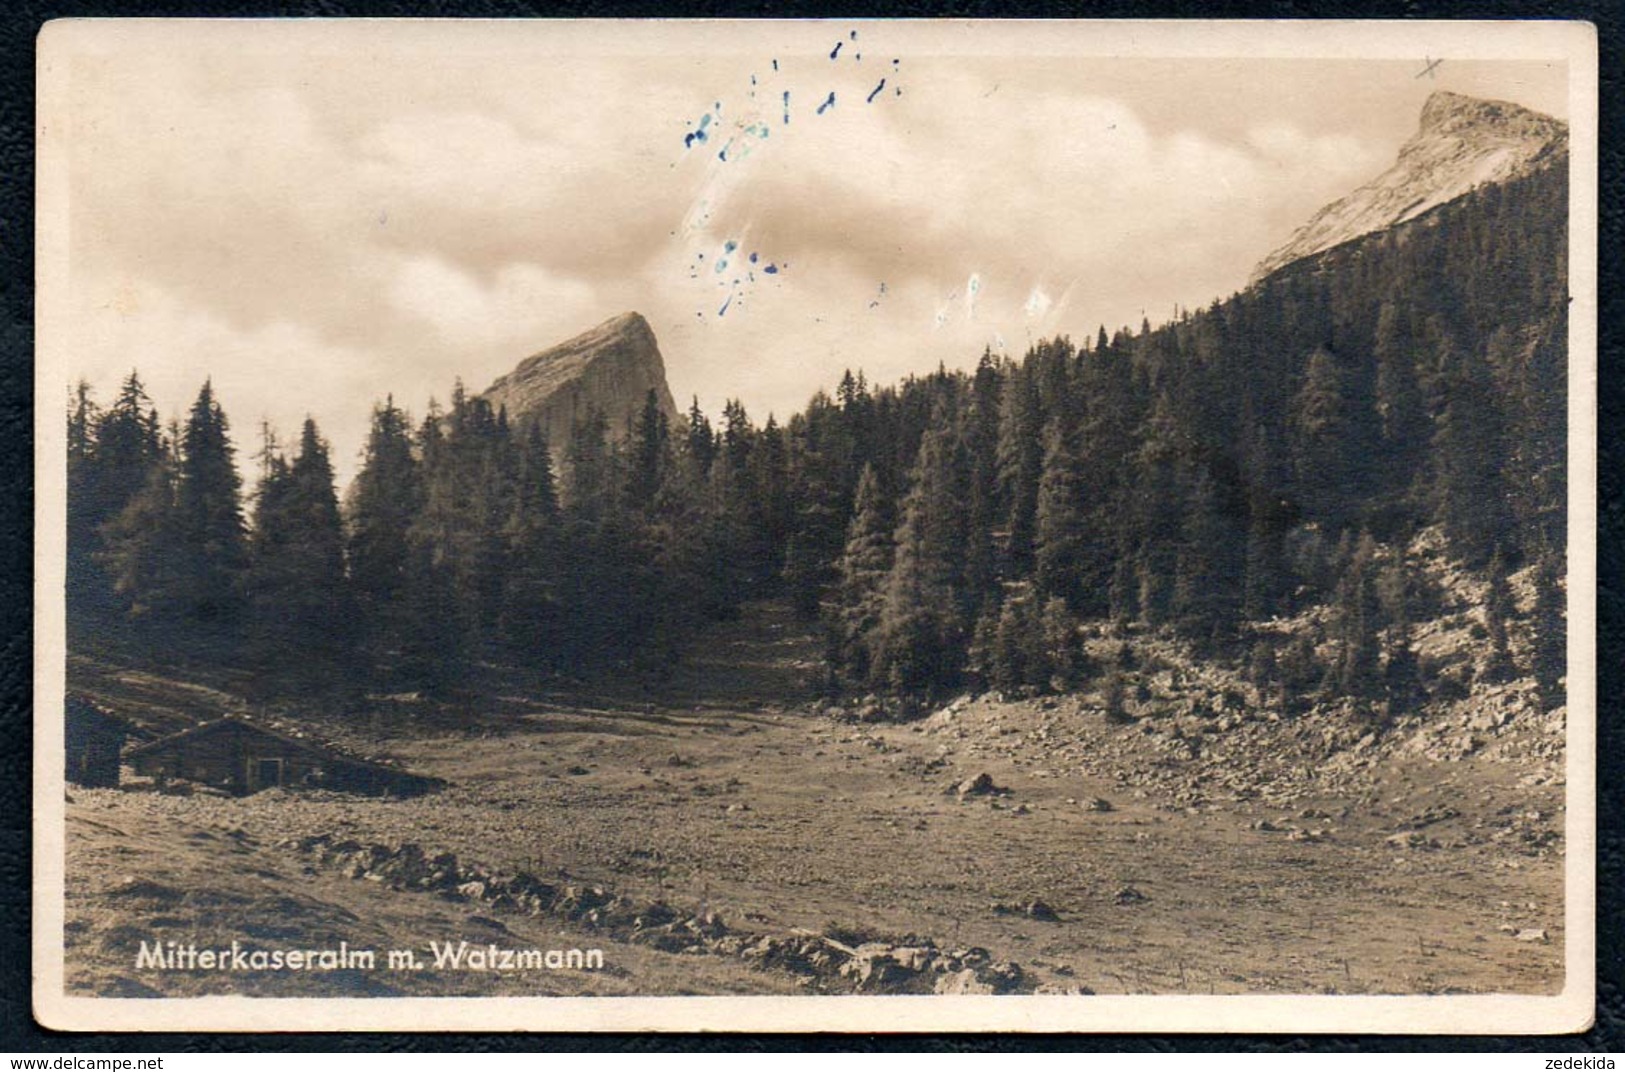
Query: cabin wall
(238,761)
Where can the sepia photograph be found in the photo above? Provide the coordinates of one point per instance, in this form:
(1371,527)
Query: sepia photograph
(828,525)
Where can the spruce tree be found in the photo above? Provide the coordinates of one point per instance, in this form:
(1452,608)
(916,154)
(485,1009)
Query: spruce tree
(1359,620)
(920,643)
(865,563)
(1020,456)
(1469,495)
(1498,610)
(1402,673)
(86,583)
(1550,632)
(144,556)
(209,516)
(1058,560)
(1322,440)
(384,502)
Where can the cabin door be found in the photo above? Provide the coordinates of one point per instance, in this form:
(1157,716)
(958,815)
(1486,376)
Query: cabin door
(264,773)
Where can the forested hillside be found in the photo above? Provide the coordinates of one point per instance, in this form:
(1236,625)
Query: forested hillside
(1275,451)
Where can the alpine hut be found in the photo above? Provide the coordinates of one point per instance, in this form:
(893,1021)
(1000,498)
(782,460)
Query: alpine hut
(243,757)
(94,737)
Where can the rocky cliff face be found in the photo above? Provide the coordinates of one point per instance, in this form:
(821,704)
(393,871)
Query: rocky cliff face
(610,368)
(1461,143)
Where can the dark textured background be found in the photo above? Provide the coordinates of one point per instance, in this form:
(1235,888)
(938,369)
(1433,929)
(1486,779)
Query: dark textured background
(21,22)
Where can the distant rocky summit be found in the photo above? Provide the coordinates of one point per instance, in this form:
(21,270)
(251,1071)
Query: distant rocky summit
(610,368)
(1462,143)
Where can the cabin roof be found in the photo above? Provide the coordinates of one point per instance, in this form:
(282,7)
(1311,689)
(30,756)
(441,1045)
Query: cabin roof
(303,744)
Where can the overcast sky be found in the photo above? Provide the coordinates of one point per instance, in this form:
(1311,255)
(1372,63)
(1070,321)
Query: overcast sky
(318,219)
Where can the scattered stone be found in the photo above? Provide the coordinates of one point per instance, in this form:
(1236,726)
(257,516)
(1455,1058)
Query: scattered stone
(1097,804)
(962,982)
(1040,911)
(1129,895)
(980,786)
(1532,934)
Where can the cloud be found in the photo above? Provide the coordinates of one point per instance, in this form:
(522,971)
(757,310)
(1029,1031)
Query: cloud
(316,232)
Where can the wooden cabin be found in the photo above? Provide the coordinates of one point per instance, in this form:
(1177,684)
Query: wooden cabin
(243,757)
(94,737)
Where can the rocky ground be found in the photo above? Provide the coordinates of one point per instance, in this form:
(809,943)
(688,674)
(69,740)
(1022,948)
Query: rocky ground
(727,834)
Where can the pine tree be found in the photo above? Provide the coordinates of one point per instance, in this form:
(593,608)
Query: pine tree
(531,614)
(143,554)
(114,458)
(86,584)
(1058,566)
(1063,647)
(296,592)
(1402,675)
(1498,609)
(1322,444)
(1020,454)
(384,503)
(1550,632)
(650,453)
(865,563)
(818,530)
(700,440)
(209,516)
(920,643)
(1359,620)
(1400,406)
(1469,496)
(1207,571)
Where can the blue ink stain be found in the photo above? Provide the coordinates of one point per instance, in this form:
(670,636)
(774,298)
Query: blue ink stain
(697,134)
(729,246)
(775,65)
(786,106)
(724,310)
(873,93)
(722,266)
(854,35)
(894,64)
(753,258)
(836,51)
(829,102)
(771,269)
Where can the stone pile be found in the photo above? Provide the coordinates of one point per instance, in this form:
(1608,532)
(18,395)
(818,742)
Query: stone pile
(909,966)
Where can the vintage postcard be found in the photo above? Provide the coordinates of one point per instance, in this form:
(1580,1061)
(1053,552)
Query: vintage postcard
(826,525)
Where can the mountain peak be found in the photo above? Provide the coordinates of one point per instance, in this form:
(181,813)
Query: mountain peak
(1460,143)
(610,368)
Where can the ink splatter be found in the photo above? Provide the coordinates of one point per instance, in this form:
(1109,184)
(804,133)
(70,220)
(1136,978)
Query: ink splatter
(873,93)
(829,102)
(836,51)
(787,107)
(698,134)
